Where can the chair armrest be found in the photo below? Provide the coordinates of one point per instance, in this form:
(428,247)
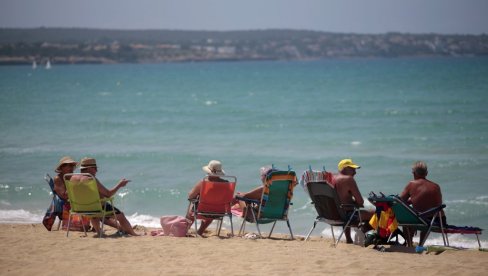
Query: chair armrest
(349,206)
(107,199)
(247,200)
(432,210)
(193,200)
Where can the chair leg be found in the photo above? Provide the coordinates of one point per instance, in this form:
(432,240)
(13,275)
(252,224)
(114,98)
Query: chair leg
(289,227)
(313,227)
(272,228)
(256,220)
(243,225)
(348,225)
(195,219)
(231,225)
(83,225)
(333,236)
(241,230)
(219,226)
(69,222)
(101,227)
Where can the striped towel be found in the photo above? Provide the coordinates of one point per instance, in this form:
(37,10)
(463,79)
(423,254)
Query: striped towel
(315,176)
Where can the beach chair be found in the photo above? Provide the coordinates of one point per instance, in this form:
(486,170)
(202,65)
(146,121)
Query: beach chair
(85,200)
(215,201)
(55,209)
(274,203)
(326,202)
(428,221)
(385,226)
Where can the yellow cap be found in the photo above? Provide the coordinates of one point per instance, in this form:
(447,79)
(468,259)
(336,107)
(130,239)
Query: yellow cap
(347,163)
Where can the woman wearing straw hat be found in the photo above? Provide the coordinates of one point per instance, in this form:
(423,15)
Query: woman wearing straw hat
(89,165)
(65,165)
(214,171)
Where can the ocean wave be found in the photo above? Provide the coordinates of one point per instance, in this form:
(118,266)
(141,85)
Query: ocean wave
(476,201)
(20,216)
(456,240)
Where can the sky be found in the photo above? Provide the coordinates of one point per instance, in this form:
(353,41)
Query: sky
(342,16)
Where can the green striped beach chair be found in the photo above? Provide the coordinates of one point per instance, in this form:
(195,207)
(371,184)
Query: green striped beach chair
(275,201)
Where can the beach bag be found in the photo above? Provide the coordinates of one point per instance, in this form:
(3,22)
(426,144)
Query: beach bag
(55,210)
(77,221)
(176,226)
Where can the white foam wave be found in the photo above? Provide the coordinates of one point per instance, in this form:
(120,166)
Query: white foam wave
(477,201)
(19,216)
(5,203)
(144,220)
(456,240)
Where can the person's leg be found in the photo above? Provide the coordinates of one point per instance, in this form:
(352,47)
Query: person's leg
(408,233)
(110,221)
(203,225)
(125,225)
(96,224)
(422,235)
(365,217)
(347,233)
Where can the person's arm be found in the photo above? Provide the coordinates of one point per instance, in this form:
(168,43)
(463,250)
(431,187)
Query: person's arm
(405,194)
(354,191)
(59,188)
(254,194)
(195,191)
(104,192)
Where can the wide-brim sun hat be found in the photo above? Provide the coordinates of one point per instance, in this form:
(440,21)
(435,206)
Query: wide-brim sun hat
(88,162)
(65,160)
(214,167)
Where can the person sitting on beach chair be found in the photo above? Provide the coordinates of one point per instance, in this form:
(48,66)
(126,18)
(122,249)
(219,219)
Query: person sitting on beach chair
(239,207)
(89,165)
(214,171)
(348,192)
(66,165)
(422,194)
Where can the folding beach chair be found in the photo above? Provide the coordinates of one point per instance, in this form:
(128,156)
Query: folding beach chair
(326,201)
(55,208)
(215,201)
(385,225)
(428,221)
(85,200)
(274,203)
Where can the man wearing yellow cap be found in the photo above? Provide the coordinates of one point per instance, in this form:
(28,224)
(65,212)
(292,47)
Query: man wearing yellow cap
(348,191)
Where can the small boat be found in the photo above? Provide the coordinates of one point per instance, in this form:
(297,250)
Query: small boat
(48,64)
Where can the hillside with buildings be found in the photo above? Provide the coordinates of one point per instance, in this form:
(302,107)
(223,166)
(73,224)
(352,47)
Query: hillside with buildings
(72,46)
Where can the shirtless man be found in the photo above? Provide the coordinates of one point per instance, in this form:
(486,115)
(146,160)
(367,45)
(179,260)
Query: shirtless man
(348,191)
(422,193)
(89,165)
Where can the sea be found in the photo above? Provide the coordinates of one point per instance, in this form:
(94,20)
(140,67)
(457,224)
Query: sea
(158,124)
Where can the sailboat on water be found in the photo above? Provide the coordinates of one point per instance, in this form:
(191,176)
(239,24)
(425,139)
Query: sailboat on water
(48,64)
(34,65)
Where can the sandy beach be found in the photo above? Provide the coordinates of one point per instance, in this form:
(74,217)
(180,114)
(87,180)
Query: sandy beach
(28,249)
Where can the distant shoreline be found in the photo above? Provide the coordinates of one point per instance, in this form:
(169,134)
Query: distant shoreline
(94,46)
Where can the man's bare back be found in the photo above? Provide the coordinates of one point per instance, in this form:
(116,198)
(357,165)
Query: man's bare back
(423,194)
(347,189)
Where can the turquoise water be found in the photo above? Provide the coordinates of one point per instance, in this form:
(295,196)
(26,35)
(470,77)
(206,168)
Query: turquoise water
(159,124)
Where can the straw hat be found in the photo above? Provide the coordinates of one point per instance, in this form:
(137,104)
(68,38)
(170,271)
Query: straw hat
(214,167)
(64,160)
(88,162)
